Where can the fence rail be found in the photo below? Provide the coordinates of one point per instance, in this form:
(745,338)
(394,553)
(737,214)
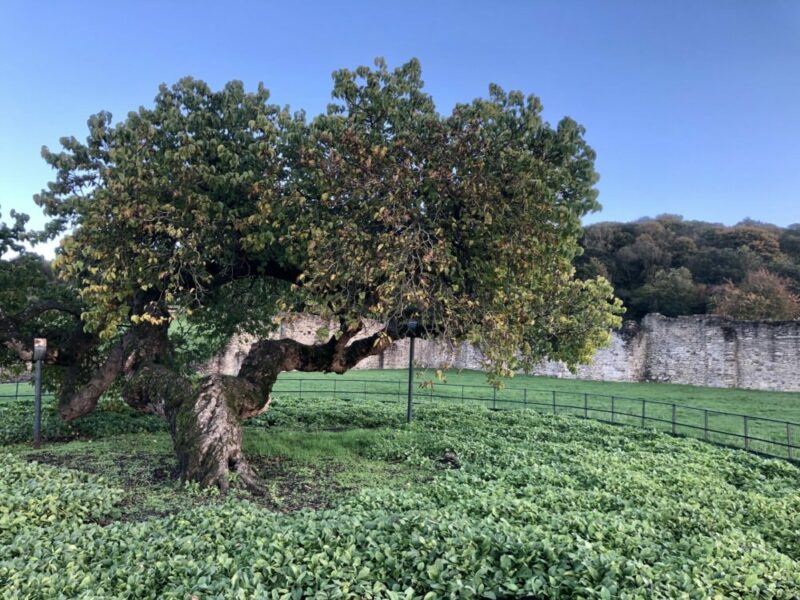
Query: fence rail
(763,435)
(20,389)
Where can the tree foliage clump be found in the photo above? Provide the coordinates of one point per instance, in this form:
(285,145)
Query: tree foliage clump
(216,211)
(762,295)
(34,302)
(670,292)
(677,267)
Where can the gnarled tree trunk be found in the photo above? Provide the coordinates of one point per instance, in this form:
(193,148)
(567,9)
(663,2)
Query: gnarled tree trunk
(205,421)
(205,417)
(207,432)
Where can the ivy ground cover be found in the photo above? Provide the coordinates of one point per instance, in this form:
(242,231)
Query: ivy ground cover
(465,503)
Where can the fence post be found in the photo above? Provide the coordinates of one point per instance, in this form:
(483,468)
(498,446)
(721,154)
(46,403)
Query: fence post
(398,390)
(37,406)
(644,404)
(673,419)
(613,409)
(746,434)
(525,398)
(300,381)
(410,406)
(585,406)
(494,398)
(365,391)
(705,424)
(554,402)
(462,393)
(16,391)
(789,438)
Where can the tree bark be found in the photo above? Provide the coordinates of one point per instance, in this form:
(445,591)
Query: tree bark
(206,424)
(74,403)
(207,434)
(204,420)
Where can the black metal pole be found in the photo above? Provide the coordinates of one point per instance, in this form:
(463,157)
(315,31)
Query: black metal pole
(410,411)
(37,407)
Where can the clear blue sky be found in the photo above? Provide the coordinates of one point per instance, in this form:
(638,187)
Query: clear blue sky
(693,106)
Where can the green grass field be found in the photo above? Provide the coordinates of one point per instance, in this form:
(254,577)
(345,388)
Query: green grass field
(699,411)
(11,389)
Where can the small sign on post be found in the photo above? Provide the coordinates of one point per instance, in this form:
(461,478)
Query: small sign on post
(39,352)
(39,348)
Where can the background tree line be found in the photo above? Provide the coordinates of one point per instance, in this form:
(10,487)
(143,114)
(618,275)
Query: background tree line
(677,267)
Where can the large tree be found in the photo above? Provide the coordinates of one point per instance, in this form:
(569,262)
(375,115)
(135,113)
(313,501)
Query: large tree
(216,211)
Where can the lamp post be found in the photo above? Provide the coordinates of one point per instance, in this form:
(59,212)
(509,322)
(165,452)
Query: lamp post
(39,351)
(412,331)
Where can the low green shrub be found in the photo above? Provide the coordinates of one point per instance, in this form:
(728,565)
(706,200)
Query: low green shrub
(534,507)
(330,414)
(111,417)
(38,497)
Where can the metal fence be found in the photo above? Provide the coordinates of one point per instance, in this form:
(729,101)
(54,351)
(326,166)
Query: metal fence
(762,435)
(14,390)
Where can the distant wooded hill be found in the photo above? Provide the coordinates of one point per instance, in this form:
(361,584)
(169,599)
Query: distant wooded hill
(677,267)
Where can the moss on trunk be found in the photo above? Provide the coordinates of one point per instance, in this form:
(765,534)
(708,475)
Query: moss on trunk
(204,420)
(207,434)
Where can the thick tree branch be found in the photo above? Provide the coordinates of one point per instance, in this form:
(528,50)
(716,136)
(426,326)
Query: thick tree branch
(74,404)
(340,345)
(267,358)
(34,310)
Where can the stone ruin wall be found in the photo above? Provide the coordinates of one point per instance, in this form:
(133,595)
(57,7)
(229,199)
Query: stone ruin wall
(719,352)
(697,350)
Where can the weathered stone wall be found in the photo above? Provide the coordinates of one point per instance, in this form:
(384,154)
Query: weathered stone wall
(719,352)
(698,350)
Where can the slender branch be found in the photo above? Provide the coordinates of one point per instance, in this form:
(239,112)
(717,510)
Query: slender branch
(10,324)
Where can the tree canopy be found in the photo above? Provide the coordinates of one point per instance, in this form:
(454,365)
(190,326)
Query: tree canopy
(678,267)
(218,211)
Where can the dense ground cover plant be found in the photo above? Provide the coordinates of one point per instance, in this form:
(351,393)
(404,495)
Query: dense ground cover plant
(112,417)
(514,505)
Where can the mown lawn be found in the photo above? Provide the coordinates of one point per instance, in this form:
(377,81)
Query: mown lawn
(784,406)
(609,401)
(777,405)
(468,503)
(9,390)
